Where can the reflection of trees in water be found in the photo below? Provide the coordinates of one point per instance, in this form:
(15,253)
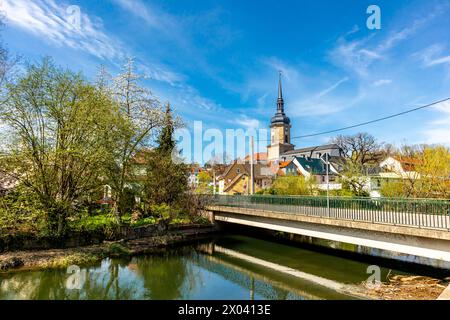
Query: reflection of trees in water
(33,285)
(51,284)
(166,275)
(108,285)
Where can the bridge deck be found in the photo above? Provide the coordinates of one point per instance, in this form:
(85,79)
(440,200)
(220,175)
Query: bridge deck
(392,214)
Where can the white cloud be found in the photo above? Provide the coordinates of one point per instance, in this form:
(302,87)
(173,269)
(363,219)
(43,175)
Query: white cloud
(433,55)
(438,131)
(439,61)
(381,82)
(51,21)
(332,87)
(288,72)
(248,123)
(354,56)
(359,55)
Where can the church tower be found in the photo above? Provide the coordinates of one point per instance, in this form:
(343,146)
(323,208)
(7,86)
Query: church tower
(280,130)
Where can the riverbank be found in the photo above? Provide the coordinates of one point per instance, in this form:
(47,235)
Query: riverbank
(61,258)
(403,287)
(394,287)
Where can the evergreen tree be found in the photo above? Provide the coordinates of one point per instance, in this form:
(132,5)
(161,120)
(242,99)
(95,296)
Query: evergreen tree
(166,180)
(166,144)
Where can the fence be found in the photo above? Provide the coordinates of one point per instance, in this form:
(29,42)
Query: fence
(423,213)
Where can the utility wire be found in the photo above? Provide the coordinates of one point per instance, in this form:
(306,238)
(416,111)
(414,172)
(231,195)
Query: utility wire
(369,122)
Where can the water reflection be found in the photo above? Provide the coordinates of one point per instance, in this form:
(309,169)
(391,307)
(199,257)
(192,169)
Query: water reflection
(234,267)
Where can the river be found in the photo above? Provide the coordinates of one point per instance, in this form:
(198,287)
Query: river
(226,267)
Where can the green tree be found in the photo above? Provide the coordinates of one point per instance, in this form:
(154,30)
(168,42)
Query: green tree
(393,189)
(166,180)
(354,178)
(293,185)
(166,143)
(61,130)
(204,181)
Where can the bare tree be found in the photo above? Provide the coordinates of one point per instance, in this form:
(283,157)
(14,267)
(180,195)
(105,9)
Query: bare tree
(7,62)
(144,117)
(358,148)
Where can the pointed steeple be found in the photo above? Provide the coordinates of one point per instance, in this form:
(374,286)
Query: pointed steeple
(280,117)
(280,101)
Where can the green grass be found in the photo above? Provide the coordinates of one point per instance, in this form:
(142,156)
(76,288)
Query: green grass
(73,259)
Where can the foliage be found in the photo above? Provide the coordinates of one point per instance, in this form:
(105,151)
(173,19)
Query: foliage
(345,191)
(127,202)
(166,180)
(165,141)
(118,250)
(21,212)
(162,211)
(105,223)
(61,132)
(293,185)
(142,116)
(144,222)
(204,181)
(393,189)
(430,176)
(72,259)
(191,204)
(354,178)
(434,171)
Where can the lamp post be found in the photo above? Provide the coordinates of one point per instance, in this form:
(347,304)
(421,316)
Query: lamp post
(328,185)
(252,175)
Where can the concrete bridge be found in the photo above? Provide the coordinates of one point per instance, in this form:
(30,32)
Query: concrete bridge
(411,231)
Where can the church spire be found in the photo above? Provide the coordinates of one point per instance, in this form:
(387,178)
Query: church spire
(280,117)
(280,101)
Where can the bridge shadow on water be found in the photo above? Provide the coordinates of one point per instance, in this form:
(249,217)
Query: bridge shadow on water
(327,252)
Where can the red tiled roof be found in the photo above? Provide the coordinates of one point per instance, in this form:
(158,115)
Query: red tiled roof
(408,164)
(284,164)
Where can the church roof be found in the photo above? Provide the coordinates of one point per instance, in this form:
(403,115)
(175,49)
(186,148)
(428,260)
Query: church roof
(314,148)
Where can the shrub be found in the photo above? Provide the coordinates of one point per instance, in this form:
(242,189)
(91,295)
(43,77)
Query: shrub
(127,201)
(21,213)
(161,211)
(144,222)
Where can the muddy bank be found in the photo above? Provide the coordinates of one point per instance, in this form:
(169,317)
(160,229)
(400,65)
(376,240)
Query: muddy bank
(60,258)
(401,287)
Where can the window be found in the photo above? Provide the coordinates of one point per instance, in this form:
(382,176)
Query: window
(285,138)
(238,170)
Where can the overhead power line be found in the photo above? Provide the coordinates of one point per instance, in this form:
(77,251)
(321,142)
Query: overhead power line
(371,121)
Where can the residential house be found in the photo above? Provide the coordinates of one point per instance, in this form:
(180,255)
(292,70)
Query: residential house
(391,169)
(236,178)
(312,169)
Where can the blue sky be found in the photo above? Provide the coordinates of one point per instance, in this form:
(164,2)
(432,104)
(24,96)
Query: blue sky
(218,61)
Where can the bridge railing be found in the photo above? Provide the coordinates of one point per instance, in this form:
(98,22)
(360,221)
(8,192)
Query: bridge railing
(424,213)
